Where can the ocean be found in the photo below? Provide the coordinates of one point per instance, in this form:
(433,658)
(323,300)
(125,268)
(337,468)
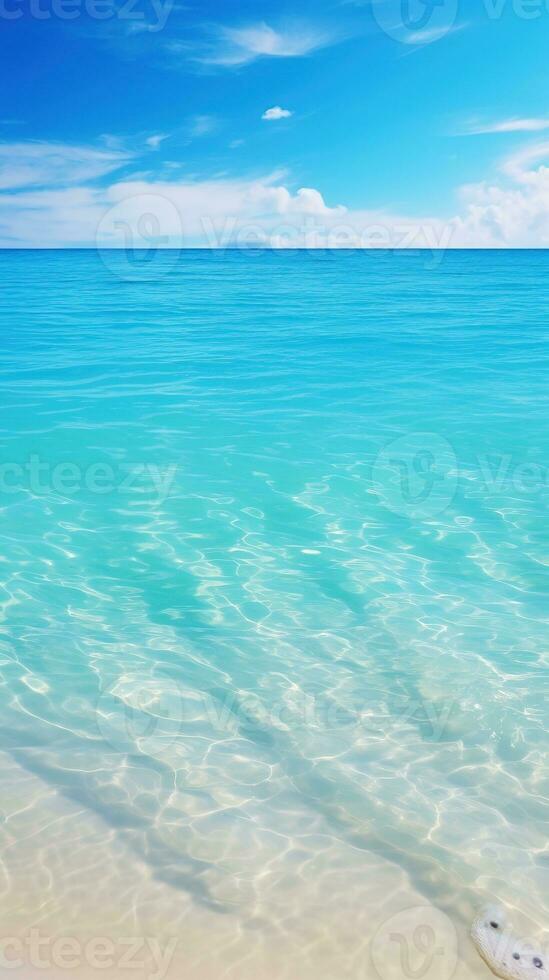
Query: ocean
(273,610)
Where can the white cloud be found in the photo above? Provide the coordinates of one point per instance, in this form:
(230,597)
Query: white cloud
(237,46)
(215,213)
(425,37)
(430,34)
(510,211)
(202,126)
(155,140)
(508,126)
(276,113)
(36,164)
(518,166)
(50,218)
(209,211)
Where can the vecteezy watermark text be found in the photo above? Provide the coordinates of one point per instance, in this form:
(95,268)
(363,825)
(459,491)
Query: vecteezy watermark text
(312,234)
(142,235)
(150,15)
(67,478)
(155,713)
(43,952)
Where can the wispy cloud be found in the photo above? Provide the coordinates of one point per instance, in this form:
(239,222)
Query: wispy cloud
(36,164)
(238,46)
(519,165)
(202,126)
(430,34)
(271,115)
(527,125)
(154,141)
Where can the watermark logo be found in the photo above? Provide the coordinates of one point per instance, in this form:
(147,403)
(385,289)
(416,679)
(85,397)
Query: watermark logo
(423,21)
(415,21)
(145,714)
(139,238)
(416,475)
(417,944)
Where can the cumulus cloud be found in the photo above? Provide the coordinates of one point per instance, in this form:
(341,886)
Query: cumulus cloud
(217,213)
(208,212)
(276,113)
(510,211)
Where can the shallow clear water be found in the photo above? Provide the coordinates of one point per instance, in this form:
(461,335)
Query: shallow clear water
(273,600)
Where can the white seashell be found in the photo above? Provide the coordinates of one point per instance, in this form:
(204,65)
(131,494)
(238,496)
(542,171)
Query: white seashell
(507,956)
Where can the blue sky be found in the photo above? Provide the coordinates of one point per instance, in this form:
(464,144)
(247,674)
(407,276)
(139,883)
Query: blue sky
(402,121)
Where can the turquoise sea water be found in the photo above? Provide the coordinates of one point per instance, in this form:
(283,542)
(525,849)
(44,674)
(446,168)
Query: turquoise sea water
(273,600)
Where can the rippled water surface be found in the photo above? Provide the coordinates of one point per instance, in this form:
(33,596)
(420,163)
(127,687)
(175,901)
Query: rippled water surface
(273,602)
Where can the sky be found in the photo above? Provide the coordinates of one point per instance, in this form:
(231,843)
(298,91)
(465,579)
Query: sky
(350,123)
